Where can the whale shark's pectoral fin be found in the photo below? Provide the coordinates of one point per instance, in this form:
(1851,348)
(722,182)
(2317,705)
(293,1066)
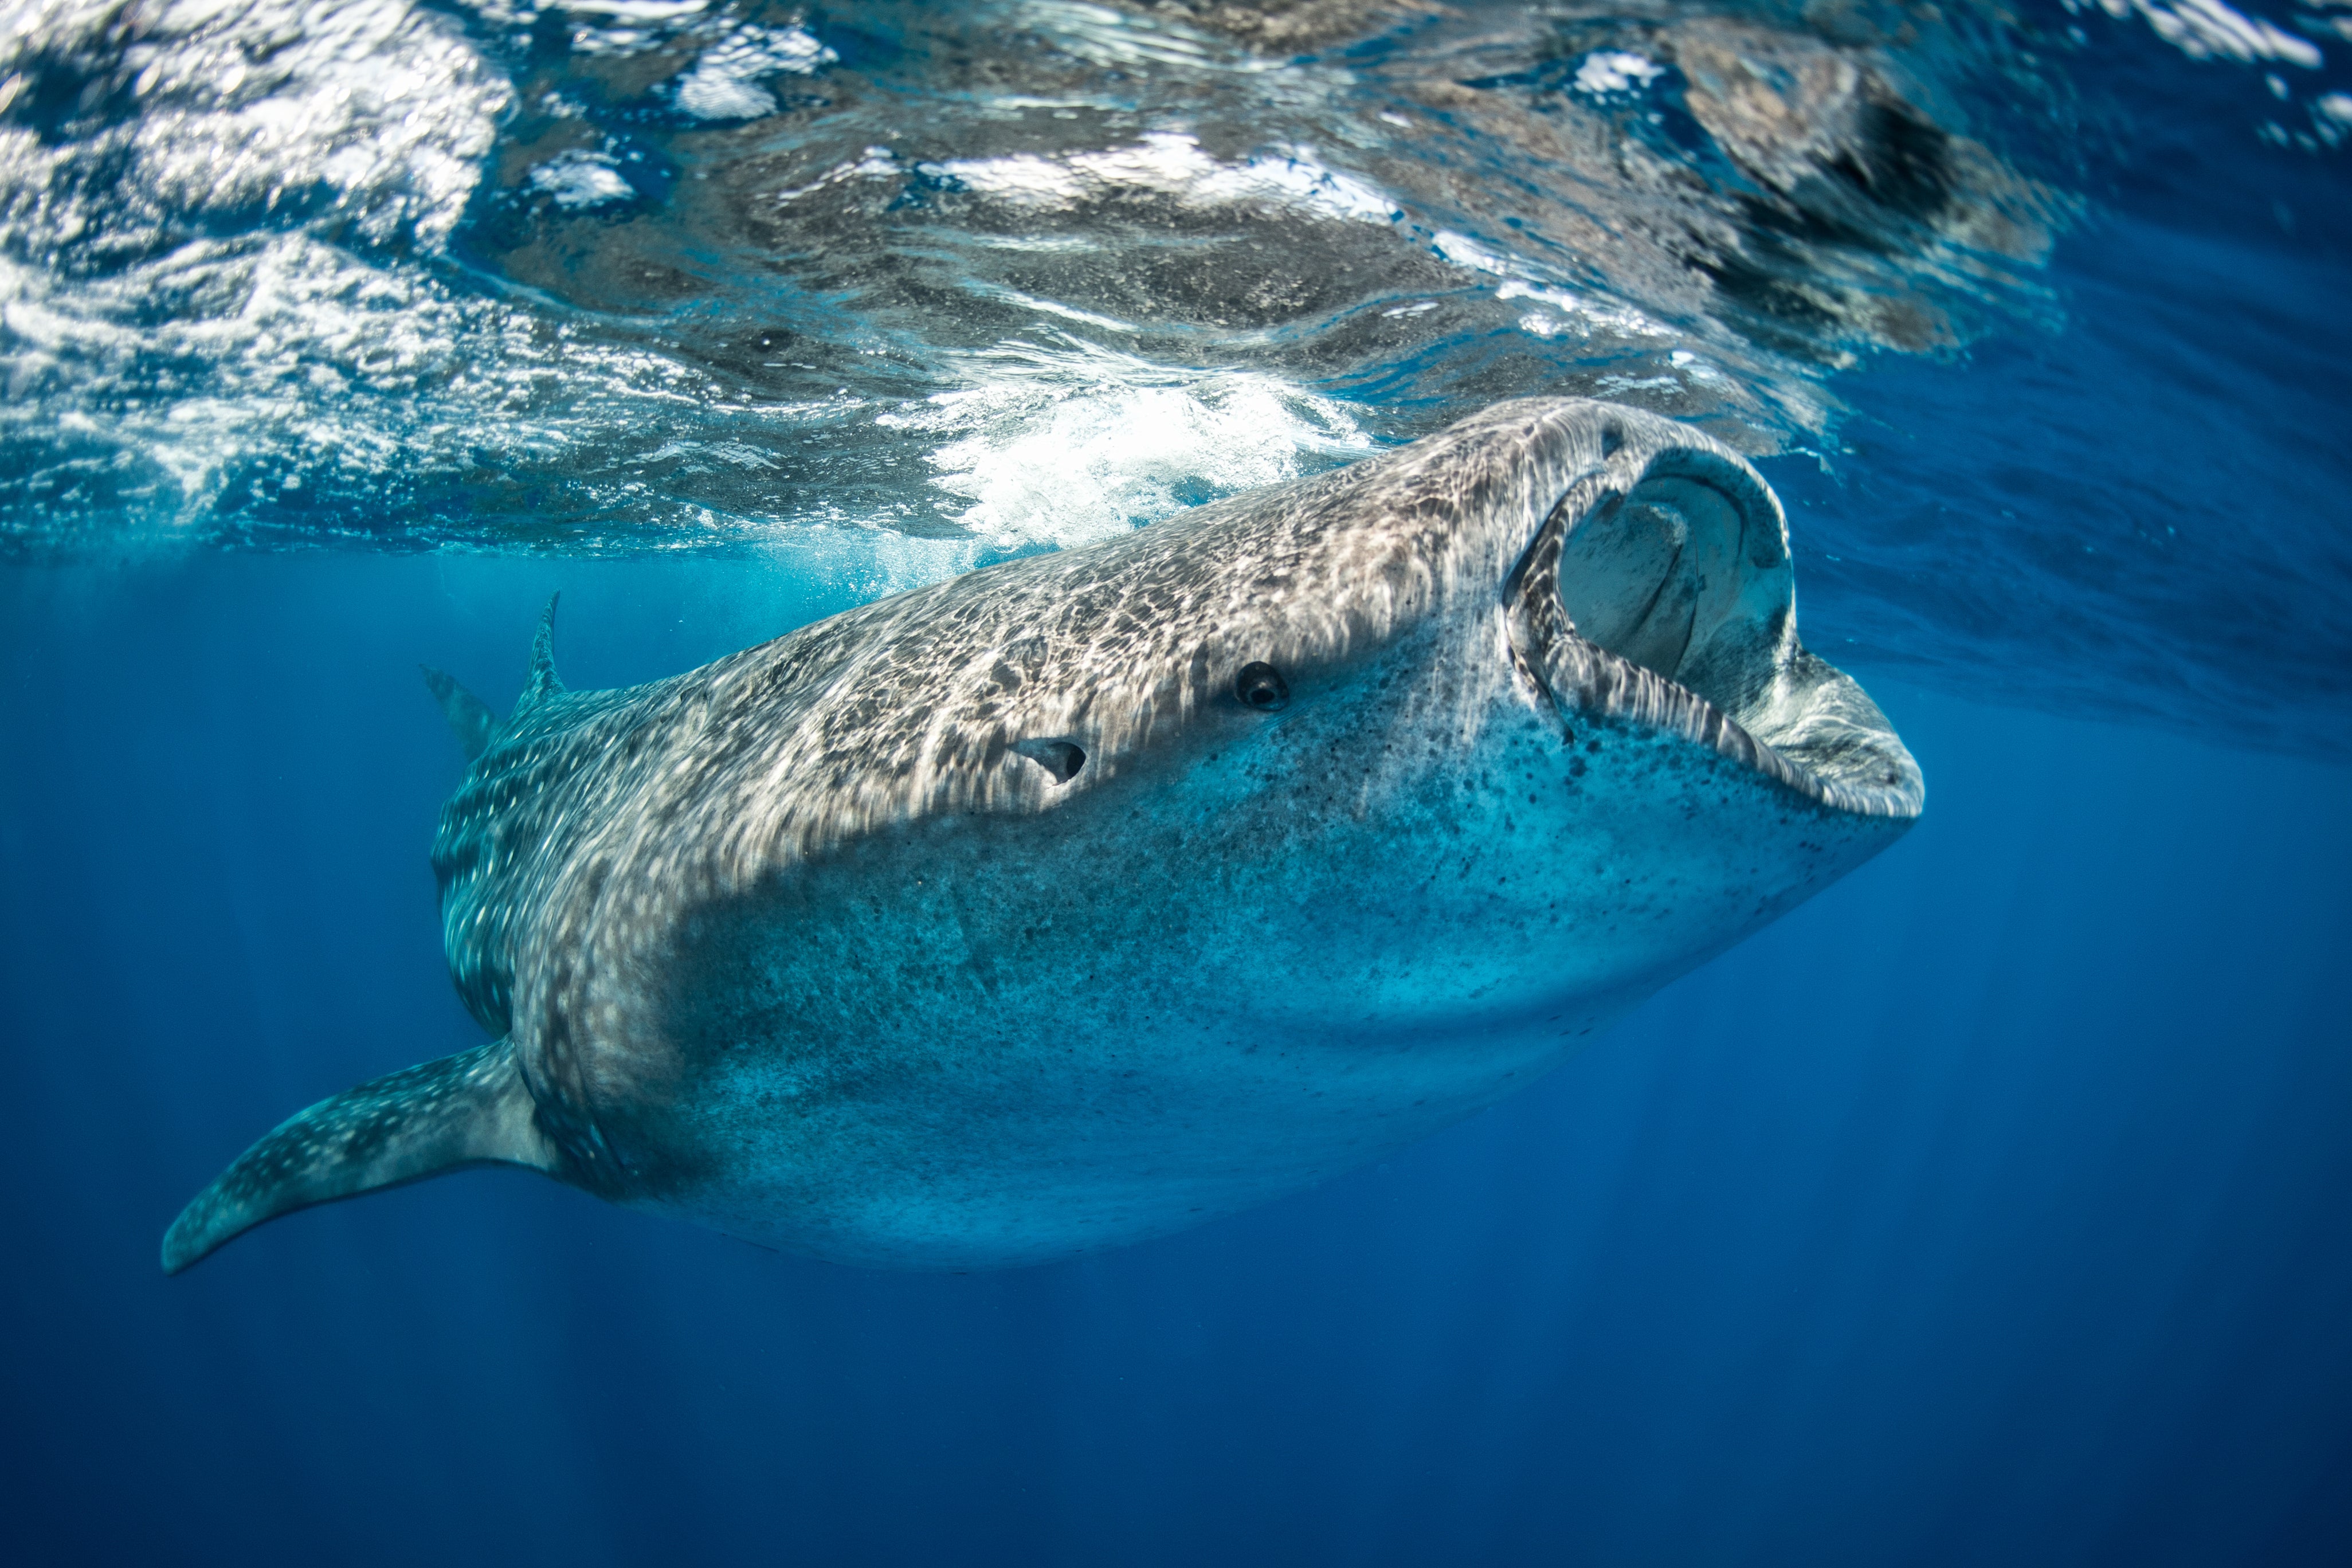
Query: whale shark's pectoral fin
(469,717)
(467,1110)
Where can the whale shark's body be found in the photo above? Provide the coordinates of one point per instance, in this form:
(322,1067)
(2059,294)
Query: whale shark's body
(1093,895)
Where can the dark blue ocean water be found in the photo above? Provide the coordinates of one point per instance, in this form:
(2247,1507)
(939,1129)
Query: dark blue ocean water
(1994,1206)
(1991,1207)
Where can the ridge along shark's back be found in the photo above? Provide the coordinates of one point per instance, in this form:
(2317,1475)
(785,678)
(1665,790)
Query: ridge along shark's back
(1092,895)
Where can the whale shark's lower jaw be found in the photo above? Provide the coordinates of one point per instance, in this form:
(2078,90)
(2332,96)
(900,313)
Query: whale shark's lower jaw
(1669,604)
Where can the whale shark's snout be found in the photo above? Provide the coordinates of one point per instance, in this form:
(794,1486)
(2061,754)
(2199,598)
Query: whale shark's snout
(1092,895)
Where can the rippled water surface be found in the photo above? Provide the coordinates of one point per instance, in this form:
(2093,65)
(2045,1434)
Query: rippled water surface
(2039,307)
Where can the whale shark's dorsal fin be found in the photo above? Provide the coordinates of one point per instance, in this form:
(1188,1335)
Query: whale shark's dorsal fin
(469,717)
(544,682)
(470,1109)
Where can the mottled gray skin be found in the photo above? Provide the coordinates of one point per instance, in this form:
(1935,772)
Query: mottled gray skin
(814,946)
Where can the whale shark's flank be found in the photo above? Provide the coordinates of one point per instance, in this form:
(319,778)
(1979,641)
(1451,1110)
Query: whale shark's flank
(1094,895)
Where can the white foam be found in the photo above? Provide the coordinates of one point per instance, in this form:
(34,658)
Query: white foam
(651,11)
(1583,314)
(724,82)
(1172,163)
(386,107)
(1464,251)
(369,121)
(709,93)
(1071,443)
(316,362)
(2204,29)
(1605,71)
(582,179)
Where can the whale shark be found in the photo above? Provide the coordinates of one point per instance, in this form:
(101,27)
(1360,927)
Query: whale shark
(1096,894)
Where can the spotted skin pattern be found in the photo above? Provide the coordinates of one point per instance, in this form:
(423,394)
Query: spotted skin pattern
(1095,894)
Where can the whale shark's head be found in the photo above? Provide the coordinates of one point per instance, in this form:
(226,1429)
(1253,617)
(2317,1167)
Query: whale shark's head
(1400,732)
(1604,561)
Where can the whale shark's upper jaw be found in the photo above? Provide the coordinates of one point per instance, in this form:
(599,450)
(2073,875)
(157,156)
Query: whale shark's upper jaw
(1659,590)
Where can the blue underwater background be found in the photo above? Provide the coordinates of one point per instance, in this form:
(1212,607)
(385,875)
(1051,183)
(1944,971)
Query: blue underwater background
(1996,1206)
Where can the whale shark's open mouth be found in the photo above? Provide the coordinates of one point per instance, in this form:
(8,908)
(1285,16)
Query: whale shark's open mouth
(1669,600)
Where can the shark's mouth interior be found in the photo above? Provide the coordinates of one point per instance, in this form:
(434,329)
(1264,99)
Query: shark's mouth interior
(1664,576)
(1686,575)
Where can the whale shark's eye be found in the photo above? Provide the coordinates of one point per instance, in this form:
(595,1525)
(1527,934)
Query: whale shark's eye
(1261,686)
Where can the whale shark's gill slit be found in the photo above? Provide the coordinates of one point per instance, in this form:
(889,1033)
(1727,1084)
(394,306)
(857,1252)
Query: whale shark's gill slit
(1063,759)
